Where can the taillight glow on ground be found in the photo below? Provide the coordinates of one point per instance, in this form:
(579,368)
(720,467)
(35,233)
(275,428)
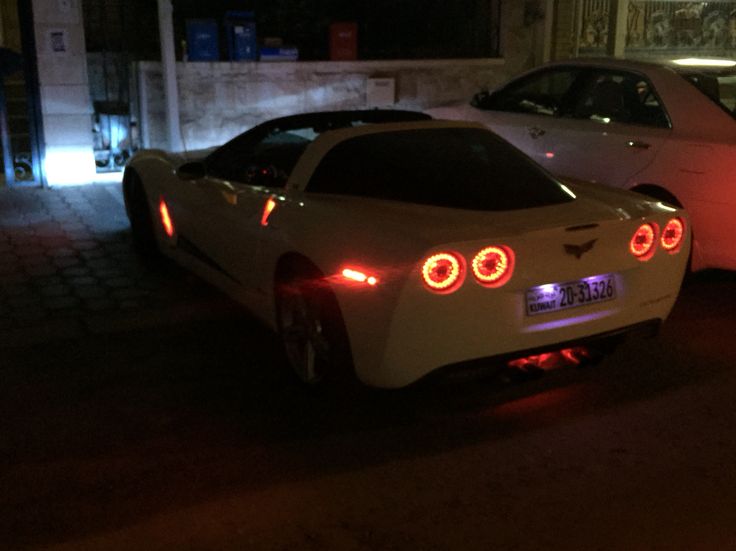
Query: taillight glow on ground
(553,360)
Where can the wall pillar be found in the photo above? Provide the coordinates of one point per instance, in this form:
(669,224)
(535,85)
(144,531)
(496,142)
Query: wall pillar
(617,28)
(63,85)
(168,63)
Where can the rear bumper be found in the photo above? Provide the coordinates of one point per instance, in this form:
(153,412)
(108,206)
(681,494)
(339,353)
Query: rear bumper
(396,346)
(400,332)
(602,341)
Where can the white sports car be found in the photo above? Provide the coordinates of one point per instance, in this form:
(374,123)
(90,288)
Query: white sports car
(663,129)
(393,245)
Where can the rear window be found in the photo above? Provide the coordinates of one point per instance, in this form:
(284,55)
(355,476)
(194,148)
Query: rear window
(464,168)
(719,87)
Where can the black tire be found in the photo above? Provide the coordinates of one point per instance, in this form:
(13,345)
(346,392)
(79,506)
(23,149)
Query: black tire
(141,221)
(311,329)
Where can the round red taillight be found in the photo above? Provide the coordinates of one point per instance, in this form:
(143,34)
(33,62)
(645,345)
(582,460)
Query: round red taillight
(493,266)
(442,271)
(642,244)
(672,235)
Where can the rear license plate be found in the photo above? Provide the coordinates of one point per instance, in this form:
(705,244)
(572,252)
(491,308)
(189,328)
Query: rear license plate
(560,296)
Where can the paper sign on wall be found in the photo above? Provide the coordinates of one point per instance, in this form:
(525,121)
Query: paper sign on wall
(59,41)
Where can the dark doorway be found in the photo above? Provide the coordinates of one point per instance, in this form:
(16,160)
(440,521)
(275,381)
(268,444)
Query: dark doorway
(20,121)
(118,33)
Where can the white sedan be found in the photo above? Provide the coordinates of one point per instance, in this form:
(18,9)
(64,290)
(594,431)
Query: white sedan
(391,249)
(664,129)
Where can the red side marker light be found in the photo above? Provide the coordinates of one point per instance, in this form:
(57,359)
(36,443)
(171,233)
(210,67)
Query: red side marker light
(642,243)
(442,271)
(360,277)
(267,210)
(493,266)
(672,235)
(168,225)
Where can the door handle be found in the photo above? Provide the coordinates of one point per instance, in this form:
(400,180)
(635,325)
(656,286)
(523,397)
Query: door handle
(638,144)
(536,132)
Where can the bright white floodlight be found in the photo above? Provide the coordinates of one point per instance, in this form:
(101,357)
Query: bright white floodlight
(702,62)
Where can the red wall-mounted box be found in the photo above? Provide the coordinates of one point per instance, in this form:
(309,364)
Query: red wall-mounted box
(343,41)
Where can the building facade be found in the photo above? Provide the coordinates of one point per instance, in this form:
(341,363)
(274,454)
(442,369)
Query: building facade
(101,79)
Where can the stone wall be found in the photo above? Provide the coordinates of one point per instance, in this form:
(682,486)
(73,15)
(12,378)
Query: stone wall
(220,100)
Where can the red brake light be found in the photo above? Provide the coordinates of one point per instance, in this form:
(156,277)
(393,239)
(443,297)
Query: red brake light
(672,235)
(493,266)
(642,243)
(442,271)
(163,210)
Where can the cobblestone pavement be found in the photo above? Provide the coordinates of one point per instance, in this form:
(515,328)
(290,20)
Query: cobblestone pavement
(67,268)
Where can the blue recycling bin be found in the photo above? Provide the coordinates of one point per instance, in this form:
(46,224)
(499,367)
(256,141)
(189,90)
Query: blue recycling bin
(240,29)
(202,40)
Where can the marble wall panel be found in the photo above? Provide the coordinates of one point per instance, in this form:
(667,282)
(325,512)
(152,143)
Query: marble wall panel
(220,100)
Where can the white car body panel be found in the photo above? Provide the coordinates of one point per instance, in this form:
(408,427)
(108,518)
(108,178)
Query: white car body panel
(595,152)
(400,331)
(694,160)
(578,149)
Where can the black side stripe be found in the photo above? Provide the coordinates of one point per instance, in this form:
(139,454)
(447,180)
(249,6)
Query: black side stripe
(188,247)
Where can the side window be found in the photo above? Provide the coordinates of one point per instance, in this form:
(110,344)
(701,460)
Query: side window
(540,94)
(272,160)
(620,97)
(727,92)
(721,89)
(227,162)
(267,162)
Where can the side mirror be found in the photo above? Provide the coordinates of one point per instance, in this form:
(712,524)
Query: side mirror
(191,171)
(483,100)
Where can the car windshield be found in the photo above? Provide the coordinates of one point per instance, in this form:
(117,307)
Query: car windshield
(718,86)
(465,168)
(266,154)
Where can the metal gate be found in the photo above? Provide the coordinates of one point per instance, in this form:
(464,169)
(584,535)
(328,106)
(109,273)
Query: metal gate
(659,28)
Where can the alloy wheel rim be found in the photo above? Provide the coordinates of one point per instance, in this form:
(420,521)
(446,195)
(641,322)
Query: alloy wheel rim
(303,336)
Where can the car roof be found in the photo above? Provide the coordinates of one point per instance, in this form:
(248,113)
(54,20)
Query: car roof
(328,120)
(644,65)
(608,62)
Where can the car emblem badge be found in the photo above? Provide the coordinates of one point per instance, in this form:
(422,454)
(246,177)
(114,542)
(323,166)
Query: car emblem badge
(579,250)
